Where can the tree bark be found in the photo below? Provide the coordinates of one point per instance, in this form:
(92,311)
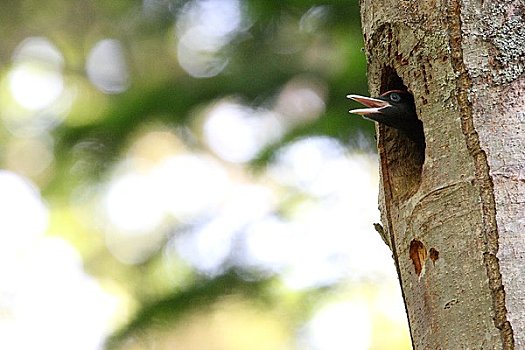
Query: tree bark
(455,215)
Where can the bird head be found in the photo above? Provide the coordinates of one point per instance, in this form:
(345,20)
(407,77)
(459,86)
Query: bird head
(394,108)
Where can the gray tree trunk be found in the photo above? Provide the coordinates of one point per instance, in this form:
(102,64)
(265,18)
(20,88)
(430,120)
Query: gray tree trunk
(454,216)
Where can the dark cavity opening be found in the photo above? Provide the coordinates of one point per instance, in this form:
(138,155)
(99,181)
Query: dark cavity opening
(404,157)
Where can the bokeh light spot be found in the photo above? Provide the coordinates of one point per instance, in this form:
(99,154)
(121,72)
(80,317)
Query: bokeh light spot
(29,156)
(35,87)
(198,54)
(208,245)
(24,216)
(188,185)
(132,204)
(106,66)
(237,133)
(36,78)
(204,28)
(49,282)
(337,325)
(301,100)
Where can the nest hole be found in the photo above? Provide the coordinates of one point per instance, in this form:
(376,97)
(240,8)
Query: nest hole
(404,157)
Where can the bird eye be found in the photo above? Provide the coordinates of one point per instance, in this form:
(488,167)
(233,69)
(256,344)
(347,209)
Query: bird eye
(394,97)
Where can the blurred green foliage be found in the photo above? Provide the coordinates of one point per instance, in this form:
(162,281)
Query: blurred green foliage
(256,72)
(319,41)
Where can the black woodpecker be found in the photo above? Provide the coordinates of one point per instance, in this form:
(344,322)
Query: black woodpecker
(396,109)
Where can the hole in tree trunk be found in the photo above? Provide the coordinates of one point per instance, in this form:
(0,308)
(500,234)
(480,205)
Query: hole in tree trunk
(418,255)
(404,157)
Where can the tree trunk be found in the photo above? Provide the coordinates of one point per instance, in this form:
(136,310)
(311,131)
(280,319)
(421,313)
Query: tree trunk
(455,215)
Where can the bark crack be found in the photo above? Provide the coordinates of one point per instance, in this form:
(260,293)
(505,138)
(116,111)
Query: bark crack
(483,178)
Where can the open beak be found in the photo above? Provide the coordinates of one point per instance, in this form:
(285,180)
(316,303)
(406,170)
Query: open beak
(374,105)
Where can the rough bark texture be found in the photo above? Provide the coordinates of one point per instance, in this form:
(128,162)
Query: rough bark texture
(455,215)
